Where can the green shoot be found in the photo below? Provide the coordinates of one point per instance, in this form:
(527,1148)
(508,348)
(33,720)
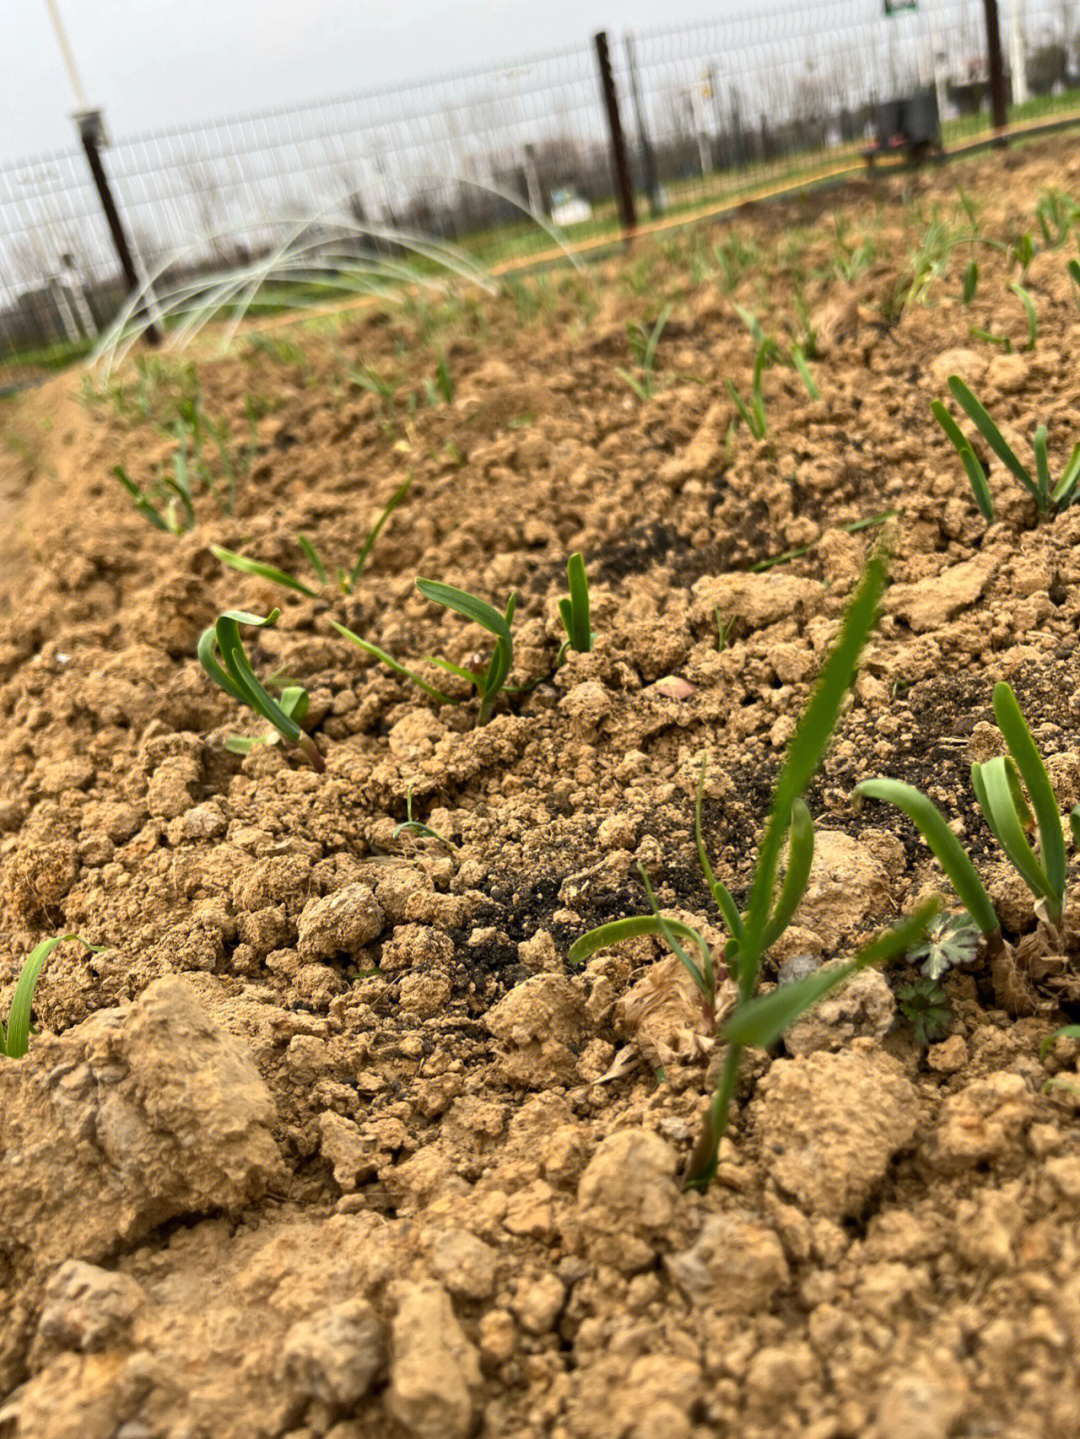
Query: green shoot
(574,611)
(233,674)
(294,702)
(1073,268)
(1067,1031)
(415,826)
(262,571)
(997,788)
(971,283)
(346,582)
(481,613)
(1050,501)
(1024,296)
(15,1037)
(853,527)
(643,343)
(176,493)
(391,663)
(723,629)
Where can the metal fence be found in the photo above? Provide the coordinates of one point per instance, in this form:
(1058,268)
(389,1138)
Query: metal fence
(495,162)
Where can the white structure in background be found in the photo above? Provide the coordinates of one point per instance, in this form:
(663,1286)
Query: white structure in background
(1017,61)
(568,207)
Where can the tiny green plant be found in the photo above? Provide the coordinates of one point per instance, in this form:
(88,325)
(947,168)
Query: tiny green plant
(491,681)
(761,1020)
(925,1006)
(173,512)
(294,702)
(15,1036)
(470,607)
(1056,213)
(970,282)
(723,629)
(1050,501)
(643,343)
(997,785)
(574,610)
(415,826)
(346,579)
(952,939)
(233,673)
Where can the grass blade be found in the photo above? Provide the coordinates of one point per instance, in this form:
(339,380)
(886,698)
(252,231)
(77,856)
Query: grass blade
(1042,468)
(263,571)
(1029,762)
(632,928)
(930,823)
(1064,492)
(313,557)
(970,460)
(1024,296)
(997,792)
(17,1034)
(579,628)
(763,1020)
(705,977)
(799,361)
(971,283)
(990,432)
(800,858)
(392,663)
(369,544)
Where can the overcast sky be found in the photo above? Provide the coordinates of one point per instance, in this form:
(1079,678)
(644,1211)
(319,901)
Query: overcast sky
(154,63)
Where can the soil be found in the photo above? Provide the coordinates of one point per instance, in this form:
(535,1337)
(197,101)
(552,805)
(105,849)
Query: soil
(327,1138)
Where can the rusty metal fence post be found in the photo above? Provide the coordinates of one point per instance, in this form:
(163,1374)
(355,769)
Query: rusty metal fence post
(91,132)
(998,93)
(620,164)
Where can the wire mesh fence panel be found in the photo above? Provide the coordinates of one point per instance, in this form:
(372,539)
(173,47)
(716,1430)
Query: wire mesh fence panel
(501,164)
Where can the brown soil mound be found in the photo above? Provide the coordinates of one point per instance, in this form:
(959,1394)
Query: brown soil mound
(327,1138)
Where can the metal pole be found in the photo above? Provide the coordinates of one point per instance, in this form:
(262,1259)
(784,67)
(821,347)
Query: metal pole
(89,122)
(648,159)
(998,95)
(619,164)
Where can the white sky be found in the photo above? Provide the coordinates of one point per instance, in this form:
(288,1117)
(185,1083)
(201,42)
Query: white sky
(154,63)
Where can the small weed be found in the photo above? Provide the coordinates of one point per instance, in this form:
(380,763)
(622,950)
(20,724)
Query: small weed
(997,785)
(952,939)
(925,1006)
(15,1036)
(970,284)
(1057,214)
(414,826)
(643,343)
(1050,502)
(723,629)
(238,679)
(346,579)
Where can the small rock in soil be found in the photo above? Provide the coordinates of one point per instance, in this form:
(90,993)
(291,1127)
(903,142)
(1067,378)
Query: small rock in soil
(340,923)
(831,1123)
(434,1370)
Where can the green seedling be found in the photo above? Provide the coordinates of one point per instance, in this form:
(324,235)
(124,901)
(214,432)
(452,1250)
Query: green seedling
(574,610)
(1073,268)
(346,579)
(643,343)
(970,284)
(414,826)
(761,1020)
(481,613)
(1051,501)
(997,785)
(925,1006)
(723,629)
(1024,296)
(770,352)
(1067,1031)
(15,1037)
(294,702)
(1056,213)
(753,414)
(952,939)
(177,503)
(1023,250)
(233,674)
